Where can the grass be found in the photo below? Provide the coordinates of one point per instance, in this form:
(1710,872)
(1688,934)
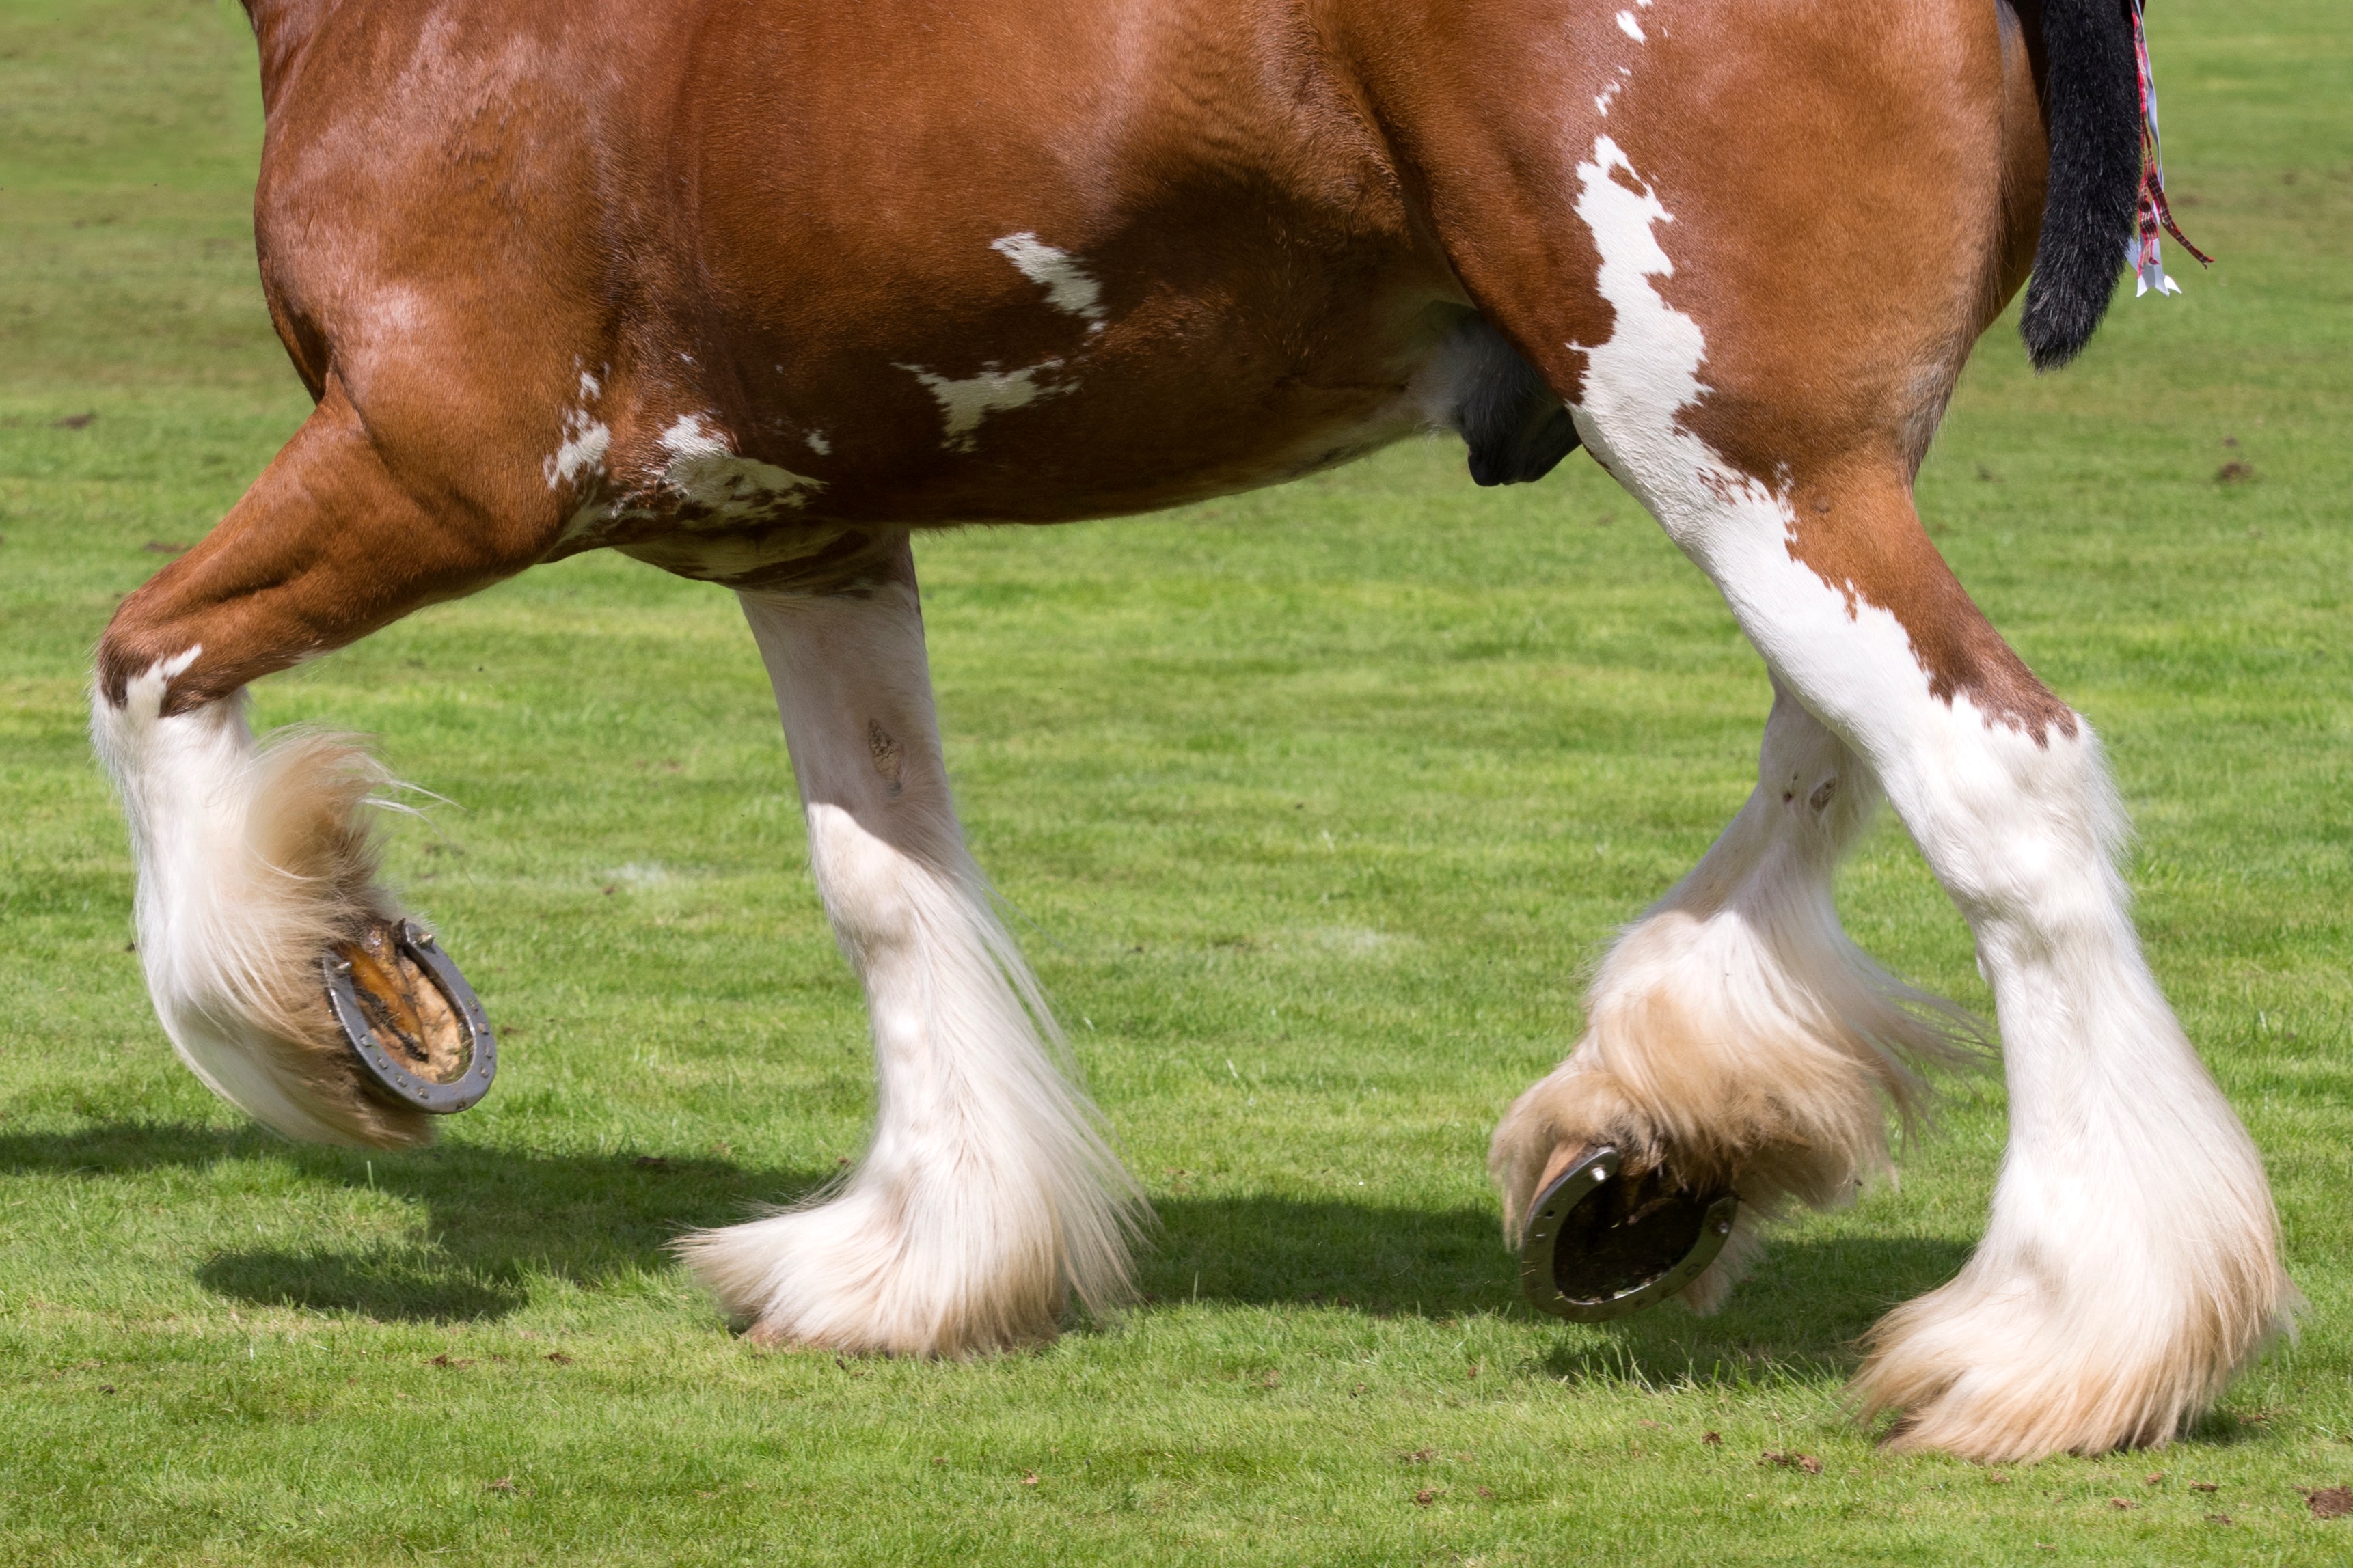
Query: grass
(1315,806)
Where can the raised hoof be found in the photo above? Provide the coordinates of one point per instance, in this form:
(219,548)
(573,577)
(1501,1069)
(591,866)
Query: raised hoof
(416,1028)
(1601,1243)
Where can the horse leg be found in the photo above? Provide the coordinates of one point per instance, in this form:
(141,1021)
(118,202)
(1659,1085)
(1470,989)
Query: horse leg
(255,860)
(987,1196)
(1782,231)
(1734,1038)
(2131,1262)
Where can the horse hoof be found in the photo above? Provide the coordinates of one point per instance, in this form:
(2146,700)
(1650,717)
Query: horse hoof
(418,1028)
(1601,1243)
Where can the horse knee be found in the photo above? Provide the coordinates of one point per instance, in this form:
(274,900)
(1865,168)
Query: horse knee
(331,543)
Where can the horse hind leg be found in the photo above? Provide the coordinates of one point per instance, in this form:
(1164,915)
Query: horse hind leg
(987,1196)
(257,861)
(1736,1039)
(2131,1262)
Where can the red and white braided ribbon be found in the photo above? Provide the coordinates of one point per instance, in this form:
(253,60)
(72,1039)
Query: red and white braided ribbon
(2151,212)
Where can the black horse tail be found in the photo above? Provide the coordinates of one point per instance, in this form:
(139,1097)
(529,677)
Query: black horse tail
(2091,106)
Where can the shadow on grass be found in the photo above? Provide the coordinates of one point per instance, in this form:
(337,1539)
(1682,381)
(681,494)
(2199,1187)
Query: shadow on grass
(1384,1260)
(1800,1316)
(495,1220)
(388,1284)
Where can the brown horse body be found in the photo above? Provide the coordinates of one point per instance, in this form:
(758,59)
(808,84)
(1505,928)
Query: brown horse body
(751,289)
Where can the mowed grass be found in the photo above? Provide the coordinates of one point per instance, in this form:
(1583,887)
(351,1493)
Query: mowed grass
(1315,807)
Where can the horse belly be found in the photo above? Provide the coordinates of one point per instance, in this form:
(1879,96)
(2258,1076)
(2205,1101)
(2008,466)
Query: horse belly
(736,283)
(1085,262)
(991,448)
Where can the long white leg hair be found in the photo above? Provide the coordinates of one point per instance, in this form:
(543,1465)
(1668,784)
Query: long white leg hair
(2131,1264)
(1735,1032)
(253,861)
(989,1196)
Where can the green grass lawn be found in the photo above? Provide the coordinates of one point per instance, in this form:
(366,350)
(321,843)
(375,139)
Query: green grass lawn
(1315,807)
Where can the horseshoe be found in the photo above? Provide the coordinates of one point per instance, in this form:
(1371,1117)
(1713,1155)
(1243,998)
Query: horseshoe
(1600,1244)
(418,1028)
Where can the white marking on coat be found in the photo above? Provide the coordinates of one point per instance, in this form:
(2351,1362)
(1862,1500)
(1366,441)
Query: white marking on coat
(1057,272)
(964,404)
(688,437)
(590,387)
(818,444)
(1631,27)
(586,441)
(704,468)
(1637,386)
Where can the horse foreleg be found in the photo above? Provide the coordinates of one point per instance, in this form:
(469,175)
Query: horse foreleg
(987,1196)
(256,860)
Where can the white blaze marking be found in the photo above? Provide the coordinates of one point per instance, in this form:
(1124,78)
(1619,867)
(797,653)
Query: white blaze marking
(1057,272)
(704,468)
(590,387)
(1631,27)
(818,444)
(965,404)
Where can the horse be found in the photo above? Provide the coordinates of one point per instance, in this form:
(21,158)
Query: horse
(755,291)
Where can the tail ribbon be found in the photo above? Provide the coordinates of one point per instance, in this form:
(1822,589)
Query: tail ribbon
(2152,212)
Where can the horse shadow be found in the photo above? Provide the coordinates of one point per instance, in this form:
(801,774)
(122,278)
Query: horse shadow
(493,1224)
(489,1223)
(1799,1315)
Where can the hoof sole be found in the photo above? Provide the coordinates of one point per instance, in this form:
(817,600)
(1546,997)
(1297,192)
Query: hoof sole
(416,1028)
(1600,1244)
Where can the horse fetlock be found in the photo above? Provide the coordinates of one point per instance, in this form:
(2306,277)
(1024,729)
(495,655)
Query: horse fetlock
(1748,1050)
(2131,1263)
(1774,1116)
(909,1266)
(254,863)
(2026,1355)
(1581,1121)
